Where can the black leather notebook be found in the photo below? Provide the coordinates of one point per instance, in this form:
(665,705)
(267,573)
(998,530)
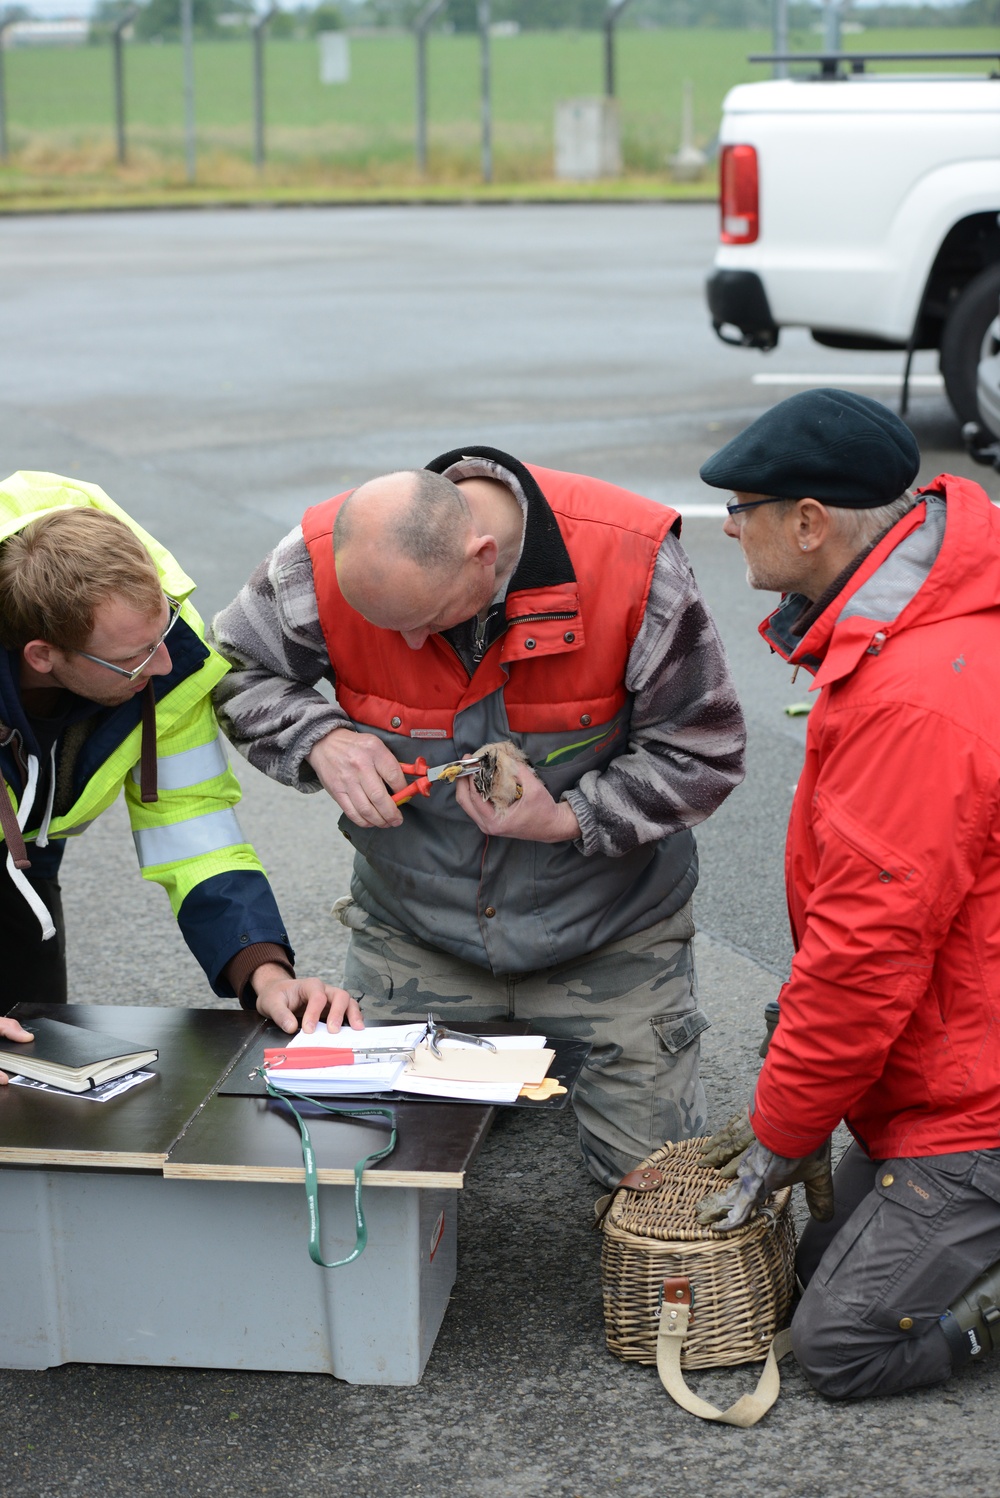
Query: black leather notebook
(70,1057)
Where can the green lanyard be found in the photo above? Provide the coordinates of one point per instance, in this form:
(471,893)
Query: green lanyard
(309,1161)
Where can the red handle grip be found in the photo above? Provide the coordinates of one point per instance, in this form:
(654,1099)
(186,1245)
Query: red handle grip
(306,1060)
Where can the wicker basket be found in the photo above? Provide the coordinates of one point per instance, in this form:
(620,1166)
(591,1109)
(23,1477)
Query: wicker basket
(741,1282)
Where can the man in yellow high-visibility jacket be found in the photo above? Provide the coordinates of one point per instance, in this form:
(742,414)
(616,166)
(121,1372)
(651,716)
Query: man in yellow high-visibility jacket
(105,684)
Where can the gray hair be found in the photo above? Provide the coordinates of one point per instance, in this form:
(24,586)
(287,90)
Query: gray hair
(860,529)
(431,528)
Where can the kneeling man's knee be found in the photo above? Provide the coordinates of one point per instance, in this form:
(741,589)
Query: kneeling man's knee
(818,1342)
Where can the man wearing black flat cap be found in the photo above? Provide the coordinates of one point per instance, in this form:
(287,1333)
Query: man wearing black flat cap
(890,1020)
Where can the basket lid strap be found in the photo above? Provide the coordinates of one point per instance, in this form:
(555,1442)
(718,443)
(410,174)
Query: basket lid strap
(675,1316)
(643,1178)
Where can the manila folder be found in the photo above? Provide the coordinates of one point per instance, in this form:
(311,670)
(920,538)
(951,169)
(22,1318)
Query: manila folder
(470,1064)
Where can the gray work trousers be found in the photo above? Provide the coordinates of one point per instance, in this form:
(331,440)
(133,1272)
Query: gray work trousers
(634,999)
(909,1235)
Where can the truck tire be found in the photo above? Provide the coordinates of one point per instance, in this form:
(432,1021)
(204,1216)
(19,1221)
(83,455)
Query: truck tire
(963,340)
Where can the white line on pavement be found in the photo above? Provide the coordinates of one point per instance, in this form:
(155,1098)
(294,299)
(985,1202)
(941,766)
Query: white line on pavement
(890,381)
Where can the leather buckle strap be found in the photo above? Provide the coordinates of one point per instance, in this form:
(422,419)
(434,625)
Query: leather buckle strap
(643,1178)
(13,836)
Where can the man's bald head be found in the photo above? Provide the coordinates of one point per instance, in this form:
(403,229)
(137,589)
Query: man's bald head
(410,556)
(413,516)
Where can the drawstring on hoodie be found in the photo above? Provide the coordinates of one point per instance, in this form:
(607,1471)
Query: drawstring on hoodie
(13,825)
(42,840)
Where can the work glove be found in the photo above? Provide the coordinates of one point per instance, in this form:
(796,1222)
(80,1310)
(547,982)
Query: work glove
(759,1173)
(724,1148)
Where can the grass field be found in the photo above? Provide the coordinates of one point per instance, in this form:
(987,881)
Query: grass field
(360,136)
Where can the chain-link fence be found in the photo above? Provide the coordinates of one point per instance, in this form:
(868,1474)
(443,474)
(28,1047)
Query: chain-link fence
(265,111)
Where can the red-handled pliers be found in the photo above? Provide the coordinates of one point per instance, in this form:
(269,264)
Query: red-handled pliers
(305,1059)
(452,770)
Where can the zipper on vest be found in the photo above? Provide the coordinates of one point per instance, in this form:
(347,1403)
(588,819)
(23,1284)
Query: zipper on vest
(479,641)
(542,618)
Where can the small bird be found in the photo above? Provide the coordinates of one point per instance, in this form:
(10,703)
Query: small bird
(496,779)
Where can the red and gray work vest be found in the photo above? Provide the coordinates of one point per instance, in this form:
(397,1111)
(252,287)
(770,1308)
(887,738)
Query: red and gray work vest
(554,683)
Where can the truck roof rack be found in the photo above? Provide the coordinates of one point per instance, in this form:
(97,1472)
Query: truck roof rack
(830,63)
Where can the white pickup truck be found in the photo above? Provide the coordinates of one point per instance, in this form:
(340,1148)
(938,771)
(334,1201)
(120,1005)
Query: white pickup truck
(864,207)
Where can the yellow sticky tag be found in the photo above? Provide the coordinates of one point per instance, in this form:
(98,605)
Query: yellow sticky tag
(542,1091)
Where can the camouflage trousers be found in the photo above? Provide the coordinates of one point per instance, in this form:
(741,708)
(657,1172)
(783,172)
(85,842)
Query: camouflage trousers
(635,1000)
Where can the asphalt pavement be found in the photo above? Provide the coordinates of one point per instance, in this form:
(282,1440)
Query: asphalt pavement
(217,372)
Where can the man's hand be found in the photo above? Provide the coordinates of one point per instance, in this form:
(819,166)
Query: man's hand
(11,1030)
(759,1173)
(287,1001)
(536,817)
(355,769)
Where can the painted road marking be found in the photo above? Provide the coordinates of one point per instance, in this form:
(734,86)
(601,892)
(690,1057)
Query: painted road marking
(889,381)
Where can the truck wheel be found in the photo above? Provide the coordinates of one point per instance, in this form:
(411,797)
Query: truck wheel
(963,341)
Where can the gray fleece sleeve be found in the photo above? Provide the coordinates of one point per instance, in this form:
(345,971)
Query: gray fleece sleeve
(270,634)
(687,736)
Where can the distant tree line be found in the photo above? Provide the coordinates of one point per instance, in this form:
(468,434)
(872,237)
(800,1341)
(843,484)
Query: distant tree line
(160,19)
(588,15)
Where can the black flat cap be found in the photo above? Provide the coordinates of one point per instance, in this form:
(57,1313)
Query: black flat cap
(843,449)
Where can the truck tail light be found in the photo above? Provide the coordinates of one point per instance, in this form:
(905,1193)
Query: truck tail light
(738,195)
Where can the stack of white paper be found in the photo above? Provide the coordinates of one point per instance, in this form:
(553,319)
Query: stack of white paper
(375,1074)
(396,1073)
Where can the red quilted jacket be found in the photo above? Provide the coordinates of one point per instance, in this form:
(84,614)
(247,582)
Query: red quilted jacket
(891,1017)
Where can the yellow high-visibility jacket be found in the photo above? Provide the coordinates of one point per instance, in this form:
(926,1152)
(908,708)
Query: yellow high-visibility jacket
(188,839)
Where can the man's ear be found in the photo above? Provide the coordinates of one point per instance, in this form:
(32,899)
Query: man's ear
(812,523)
(40,656)
(485,551)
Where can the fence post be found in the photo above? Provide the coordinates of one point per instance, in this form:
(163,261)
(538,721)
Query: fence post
(420,27)
(259,27)
(779,35)
(187,44)
(487,103)
(5,21)
(612,16)
(118,63)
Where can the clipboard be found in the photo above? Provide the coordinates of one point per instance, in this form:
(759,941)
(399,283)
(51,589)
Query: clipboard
(570,1057)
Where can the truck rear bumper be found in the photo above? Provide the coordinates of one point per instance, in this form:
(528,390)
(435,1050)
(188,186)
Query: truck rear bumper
(738,304)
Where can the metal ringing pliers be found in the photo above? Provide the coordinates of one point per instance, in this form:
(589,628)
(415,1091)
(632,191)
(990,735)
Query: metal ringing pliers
(452,770)
(435,1032)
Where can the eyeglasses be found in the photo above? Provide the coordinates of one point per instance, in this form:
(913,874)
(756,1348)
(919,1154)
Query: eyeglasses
(175,610)
(733,507)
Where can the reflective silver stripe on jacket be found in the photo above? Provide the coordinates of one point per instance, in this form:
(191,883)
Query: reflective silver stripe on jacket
(188,839)
(175,772)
